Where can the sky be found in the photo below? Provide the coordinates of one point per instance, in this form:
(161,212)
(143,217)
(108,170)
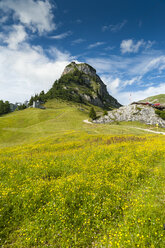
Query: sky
(123,40)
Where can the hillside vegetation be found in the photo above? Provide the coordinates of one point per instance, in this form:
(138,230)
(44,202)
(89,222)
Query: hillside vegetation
(155,99)
(59,117)
(65,183)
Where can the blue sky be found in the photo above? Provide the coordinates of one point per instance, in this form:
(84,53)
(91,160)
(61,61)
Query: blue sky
(123,40)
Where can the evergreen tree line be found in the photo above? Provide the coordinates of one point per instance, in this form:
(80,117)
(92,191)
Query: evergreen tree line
(21,107)
(4,107)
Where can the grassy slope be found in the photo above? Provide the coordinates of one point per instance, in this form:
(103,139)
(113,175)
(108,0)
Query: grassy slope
(72,184)
(155,99)
(59,117)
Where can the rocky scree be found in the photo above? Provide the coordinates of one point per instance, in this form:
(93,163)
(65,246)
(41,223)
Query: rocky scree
(145,114)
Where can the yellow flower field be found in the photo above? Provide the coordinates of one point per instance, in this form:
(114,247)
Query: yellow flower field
(84,190)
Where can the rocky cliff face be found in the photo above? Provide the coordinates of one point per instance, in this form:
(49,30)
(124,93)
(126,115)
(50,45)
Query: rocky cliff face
(145,114)
(91,89)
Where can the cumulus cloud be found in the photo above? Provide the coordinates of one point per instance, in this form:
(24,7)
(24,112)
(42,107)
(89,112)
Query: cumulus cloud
(36,15)
(130,46)
(114,27)
(28,70)
(16,36)
(113,83)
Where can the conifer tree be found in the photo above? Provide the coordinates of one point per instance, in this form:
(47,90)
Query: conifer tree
(92,114)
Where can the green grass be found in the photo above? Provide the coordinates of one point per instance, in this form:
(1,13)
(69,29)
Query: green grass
(58,117)
(155,99)
(65,183)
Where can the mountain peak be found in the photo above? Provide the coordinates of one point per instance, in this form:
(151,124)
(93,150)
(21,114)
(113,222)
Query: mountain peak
(79,82)
(82,67)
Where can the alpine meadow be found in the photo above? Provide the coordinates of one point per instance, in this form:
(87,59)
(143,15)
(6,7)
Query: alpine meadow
(82,124)
(79,185)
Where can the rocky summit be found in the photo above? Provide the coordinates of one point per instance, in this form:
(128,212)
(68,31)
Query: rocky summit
(145,114)
(82,81)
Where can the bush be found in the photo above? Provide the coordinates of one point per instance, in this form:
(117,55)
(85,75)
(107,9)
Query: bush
(92,114)
(161,113)
(105,112)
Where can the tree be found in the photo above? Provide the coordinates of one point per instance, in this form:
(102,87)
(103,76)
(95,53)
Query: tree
(1,107)
(22,106)
(41,96)
(92,114)
(31,101)
(6,107)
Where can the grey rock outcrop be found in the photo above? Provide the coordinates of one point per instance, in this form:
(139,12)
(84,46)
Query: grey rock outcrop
(145,114)
(85,68)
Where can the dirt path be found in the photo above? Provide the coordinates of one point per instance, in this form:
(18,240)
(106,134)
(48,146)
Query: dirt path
(147,130)
(151,131)
(87,122)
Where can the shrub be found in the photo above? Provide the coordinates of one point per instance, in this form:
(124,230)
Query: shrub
(92,114)
(105,112)
(160,113)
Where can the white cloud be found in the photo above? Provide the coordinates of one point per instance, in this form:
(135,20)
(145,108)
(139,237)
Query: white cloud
(114,28)
(16,36)
(96,44)
(123,73)
(36,15)
(112,64)
(28,70)
(131,67)
(61,36)
(128,46)
(77,41)
(149,44)
(132,81)
(147,64)
(124,97)
(116,87)
(113,84)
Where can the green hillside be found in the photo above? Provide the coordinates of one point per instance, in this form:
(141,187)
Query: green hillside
(59,117)
(155,99)
(66,183)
